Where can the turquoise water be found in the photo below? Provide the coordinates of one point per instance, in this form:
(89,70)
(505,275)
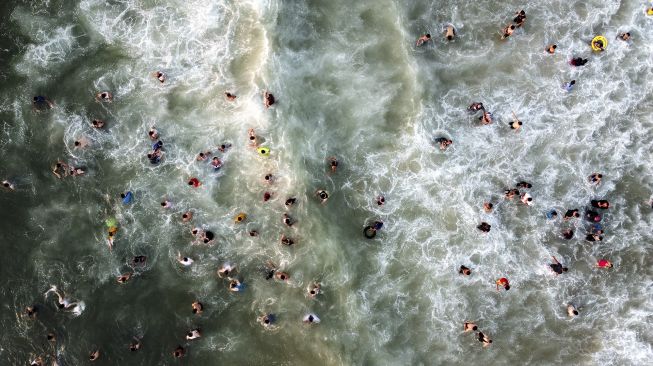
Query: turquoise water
(349,82)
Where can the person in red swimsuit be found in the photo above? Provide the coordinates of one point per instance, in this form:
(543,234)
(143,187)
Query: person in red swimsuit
(503,282)
(604,263)
(194,182)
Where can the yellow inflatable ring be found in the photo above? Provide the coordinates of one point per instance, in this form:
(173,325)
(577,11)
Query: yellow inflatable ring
(599,39)
(240,217)
(264,151)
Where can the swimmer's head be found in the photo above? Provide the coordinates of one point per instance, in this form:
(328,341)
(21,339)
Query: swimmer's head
(428,35)
(507,287)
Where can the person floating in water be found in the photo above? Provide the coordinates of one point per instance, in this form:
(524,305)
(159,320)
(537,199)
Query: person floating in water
(508,31)
(557,267)
(551,48)
(94,355)
(370,230)
(551,214)
(624,36)
(423,39)
(8,185)
(578,61)
(268,99)
(486,118)
(483,338)
(516,123)
(98,123)
(198,307)
(465,271)
(380,200)
(253,141)
(123,278)
(194,182)
(443,142)
(314,289)
(604,204)
(484,227)
(568,234)
(135,345)
(160,76)
(286,240)
(184,261)
(571,310)
(153,133)
(333,163)
(604,263)
(476,106)
(449,32)
(229,96)
(469,327)
(488,207)
(571,214)
(591,237)
(267,320)
(322,195)
(290,202)
(179,352)
(104,96)
(311,319)
(526,199)
(202,156)
(569,86)
(216,163)
(520,18)
(40,103)
(595,178)
(599,45)
(65,303)
(193,334)
(592,216)
(503,282)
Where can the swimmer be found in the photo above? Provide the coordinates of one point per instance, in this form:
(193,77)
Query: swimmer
(552,214)
(52,338)
(487,207)
(443,142)
(571,310)
(523,184)
(557,267)
(127,197)
(578,61)
(31,312)
(82,143)
(484,227)
(193,334)
(568,234)
(139,260)
(267,320)
(551,48)
(592,216)
(60,167)
(503,282)
(604,263)
(235,286)
(8,185)
(520,18)
(40,102)
(187,216)
(486,118)
(526,199)
(322,195)
(281,276)
(508,31)
(569,86)
(216,163)
(123,278)
(449,32)
(465,271)
(311,319)
(226,270)
(370,230)
(184,261)
(423,39)
(469,327)
(253,233)
(484,339)
(595,178)
(593,237)
(268,99)
(194,182)
(197,232)
(98,123)
(94,355)
(166,204)
(287,220)
(153,133)
(155,157)
(604,204)
(516,123)
(160,76)
(104,97)
(290,201)
(135,345)
(624,36)
(179,352)
(112,233)
(267,196)
(268,178)
(333,163)
(286,240)
(157,146)
(208,236)
(598,44)
(224,147)
(380,200)
(38,361)
(314,289)
(76,171)
(202,156)
(475,107)
(229,96)
(252,138)
(63,302)
(571,214)
(197,307)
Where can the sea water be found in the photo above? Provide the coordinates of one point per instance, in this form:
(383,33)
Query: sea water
(349,83)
